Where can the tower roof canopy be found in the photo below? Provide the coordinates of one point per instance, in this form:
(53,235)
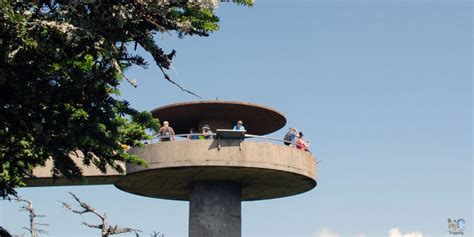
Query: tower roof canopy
(258,120)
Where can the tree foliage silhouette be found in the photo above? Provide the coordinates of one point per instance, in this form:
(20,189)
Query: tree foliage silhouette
(61,64)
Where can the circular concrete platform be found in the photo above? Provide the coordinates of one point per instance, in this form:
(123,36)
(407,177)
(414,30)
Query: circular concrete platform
(258,120)
(263,170)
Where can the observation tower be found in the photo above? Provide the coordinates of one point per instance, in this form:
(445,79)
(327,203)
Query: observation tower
(214,175)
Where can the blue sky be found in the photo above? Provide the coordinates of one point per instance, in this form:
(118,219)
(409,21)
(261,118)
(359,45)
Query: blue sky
(383,89)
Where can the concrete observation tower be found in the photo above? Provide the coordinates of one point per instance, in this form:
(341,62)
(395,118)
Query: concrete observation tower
(214,175)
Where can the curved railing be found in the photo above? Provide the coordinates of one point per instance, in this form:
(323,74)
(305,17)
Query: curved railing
(186,136)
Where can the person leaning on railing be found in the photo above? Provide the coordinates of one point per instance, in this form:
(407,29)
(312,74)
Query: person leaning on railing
(239,126)
(193,135)
(300,143)
(206,133)
(166,132)
(291,137)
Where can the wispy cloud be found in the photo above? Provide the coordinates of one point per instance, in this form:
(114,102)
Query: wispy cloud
(394,232)
(325,233)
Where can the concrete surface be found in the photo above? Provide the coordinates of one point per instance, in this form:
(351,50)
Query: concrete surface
(263,170)
(215,210)
(258,120)
(92,175)
(215,181)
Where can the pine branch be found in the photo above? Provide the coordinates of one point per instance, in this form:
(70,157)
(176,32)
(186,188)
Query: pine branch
(117,67)
(167,77)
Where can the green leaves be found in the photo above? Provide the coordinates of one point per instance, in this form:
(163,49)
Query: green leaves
(61,62)
(85,64)
(201,18)
(249,3)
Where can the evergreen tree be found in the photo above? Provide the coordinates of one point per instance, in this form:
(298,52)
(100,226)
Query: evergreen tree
(4,233)
(61,63)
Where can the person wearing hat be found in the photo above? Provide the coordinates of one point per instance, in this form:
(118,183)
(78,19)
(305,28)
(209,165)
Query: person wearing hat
(239,126)
(206,133)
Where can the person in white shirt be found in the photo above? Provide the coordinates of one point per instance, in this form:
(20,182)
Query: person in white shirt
(239,126)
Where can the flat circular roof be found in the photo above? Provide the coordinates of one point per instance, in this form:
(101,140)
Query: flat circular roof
(258,120)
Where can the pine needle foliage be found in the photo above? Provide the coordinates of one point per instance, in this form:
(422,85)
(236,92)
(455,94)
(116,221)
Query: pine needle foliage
(61,64)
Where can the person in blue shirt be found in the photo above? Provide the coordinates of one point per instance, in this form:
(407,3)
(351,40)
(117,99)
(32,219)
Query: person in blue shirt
(290,138)
(193,135)
(239,126)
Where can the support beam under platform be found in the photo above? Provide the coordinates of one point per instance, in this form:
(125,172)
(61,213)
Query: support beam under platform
(215,210)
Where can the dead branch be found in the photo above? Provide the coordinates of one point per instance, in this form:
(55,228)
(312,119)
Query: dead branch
(157,234)
(86,208)
(32,214)
(168,78)
(106,229)
(119,70)
(92,226)
(120,230)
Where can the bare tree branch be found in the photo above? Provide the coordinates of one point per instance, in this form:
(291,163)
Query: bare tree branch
(29,208)
(106,229)
(117,67)
(167,77)
(118,230)
(86,208)
(67,206)
(39,231)
(92,226)
(157,234)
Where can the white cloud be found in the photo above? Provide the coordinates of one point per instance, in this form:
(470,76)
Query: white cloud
(395,232)
(325,233)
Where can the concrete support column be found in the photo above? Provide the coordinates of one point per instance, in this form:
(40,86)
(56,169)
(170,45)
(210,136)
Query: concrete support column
(215,210)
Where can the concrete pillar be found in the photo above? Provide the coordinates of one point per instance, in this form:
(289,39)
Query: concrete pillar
(215,210)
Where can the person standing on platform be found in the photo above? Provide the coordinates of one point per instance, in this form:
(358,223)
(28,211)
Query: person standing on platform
(193,135)
(166,132)
(239,126)
(290,138)
(206,133)
(300,143)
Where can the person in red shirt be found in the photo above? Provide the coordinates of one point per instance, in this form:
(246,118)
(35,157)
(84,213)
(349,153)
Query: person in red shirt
(300,143)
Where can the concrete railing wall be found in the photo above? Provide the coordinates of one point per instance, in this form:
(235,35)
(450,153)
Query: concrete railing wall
(206,153)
